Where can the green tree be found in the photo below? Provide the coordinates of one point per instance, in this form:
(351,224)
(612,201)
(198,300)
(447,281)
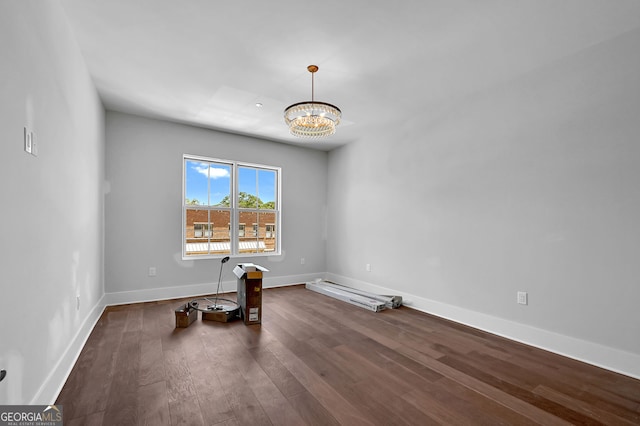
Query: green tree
(248,201)
(225,202)
(192,202)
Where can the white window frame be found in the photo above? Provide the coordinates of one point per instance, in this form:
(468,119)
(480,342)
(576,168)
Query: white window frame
(234,209)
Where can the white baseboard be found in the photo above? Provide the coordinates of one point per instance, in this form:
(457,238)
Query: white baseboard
(194,290)
(612,359)
(50,389)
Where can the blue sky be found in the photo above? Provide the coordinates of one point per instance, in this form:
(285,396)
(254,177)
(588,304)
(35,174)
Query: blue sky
(259,182)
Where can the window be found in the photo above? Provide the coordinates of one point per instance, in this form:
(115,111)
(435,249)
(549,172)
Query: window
(201,230)
(240,229)
(219,198)
(270,230)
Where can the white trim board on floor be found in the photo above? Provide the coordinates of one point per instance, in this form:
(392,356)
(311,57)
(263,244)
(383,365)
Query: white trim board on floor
(612,359)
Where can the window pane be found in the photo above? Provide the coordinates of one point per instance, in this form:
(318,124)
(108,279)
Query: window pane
(267,189)
(257,188)
(195,222)
(207,183)
(206,232)
(220,240)
(267,230)
(262,237)
(220,181)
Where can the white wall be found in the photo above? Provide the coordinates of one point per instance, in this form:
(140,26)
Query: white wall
(532,185)
(51,228)
(143,209)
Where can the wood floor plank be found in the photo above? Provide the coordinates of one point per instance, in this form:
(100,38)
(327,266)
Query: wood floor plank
(319,361)
(368,355)
(339,407)
(477,406)
(134,318)
(153,404)
(311,410)
(467,367)
(179,381)
(246,407)
(94,419)
(122,405)
(280,411)
(389,407)
(489,391)
(439,412)
(186,412)
(405,368)
(211,393)
(151,361)
(272,401)
(614,402)
(581,406)
(281,377)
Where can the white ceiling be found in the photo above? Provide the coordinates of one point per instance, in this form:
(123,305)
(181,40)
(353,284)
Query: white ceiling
(207,63)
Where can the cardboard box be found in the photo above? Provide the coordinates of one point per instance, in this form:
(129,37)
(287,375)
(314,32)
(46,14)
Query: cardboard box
(249,270)
(220,316)
(185,315)
(250,291)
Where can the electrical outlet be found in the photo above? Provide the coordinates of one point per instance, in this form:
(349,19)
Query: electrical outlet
(302,261)
(152,271)
(368,267)
(523,298)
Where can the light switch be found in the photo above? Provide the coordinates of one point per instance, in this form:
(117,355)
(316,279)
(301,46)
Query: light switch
(27,140)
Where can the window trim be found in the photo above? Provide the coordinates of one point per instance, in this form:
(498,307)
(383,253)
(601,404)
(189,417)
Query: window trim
(234,209)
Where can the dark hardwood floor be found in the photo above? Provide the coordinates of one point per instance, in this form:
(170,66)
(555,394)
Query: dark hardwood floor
(319,361)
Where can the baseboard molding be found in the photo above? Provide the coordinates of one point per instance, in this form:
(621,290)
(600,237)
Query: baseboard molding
(612,359)
(50,389)
(195,290)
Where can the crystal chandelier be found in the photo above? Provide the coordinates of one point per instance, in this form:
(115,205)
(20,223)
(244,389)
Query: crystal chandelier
(312,119)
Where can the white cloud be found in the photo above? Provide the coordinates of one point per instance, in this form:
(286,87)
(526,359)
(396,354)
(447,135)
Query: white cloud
(216,173)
